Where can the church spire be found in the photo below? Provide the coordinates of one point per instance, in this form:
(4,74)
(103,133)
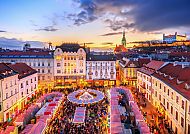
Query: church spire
(123,42)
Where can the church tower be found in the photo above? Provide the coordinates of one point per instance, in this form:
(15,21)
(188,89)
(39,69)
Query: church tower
(123,41)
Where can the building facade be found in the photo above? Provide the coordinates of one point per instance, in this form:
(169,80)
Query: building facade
(174,38)
(144,78)
(128,70)
(170,94)
(9,92)
(42,61)
(27,83)
(69,64)
(101,70)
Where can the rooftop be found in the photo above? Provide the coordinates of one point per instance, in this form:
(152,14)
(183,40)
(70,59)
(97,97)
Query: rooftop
(177,77)
(109,57)
(6,71)
(27,54)
(151,67)
(69,47)
(23,69)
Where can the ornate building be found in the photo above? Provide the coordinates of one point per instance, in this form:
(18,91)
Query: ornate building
(69,64)
(174,38)
(101,70)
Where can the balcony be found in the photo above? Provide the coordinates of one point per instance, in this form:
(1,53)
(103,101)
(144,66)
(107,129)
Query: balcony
(90,73)
(112,72)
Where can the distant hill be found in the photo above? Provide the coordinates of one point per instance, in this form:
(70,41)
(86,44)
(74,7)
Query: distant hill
(13,43)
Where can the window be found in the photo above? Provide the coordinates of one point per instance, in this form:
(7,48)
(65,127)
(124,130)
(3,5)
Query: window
(168,92)
(156,93)
(177,99)
(160,86)
(42,63)
(182,104)
(38,63)
(34,64)
(58,64)
(42,70)
(38,70)
(15,82)
(164,89)
(31,81)
(171,110)
(11,84)
(27,91)
(58,71)
(160,97)
(35,86)
(48,64)
(176,115)
(15,91)
(21,85)
(182,121)
(22,94)
(156,83)
(49,71)
(167,105)
(43,77)
(26,82)
(35,78)
(7,95)
(11,93)
(172,95)
(81,71)
(164,101)
(38,77)
(68,58)
(65,64)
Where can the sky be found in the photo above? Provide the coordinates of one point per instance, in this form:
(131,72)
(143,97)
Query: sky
(98,23)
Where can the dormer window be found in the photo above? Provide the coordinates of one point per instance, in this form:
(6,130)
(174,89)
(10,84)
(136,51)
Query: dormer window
(165,75)
(171,78)
(179,82)
(187,86)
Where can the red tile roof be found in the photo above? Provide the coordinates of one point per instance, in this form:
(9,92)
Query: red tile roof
(143,61)
(23,69)
(151,67)
(176,77)
(5,70)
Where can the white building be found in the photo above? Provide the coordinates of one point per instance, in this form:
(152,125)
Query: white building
(42,61)
(174,38)
(9,92)
(27,83)
(169,88)
(101,69)
(144,78)
(69,64)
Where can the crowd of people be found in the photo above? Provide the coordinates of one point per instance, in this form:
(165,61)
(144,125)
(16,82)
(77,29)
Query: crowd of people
(95,120)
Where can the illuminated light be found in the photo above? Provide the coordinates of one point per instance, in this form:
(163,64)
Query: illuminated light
(58,57)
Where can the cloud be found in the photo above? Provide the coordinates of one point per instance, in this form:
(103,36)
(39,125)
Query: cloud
(48,29)
(107,43)
(141,15)
(110,34)
(3,31)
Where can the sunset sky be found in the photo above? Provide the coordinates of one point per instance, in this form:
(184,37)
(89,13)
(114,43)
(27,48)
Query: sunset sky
(96,22)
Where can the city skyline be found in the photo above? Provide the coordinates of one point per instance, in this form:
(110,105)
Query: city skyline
(97,23)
